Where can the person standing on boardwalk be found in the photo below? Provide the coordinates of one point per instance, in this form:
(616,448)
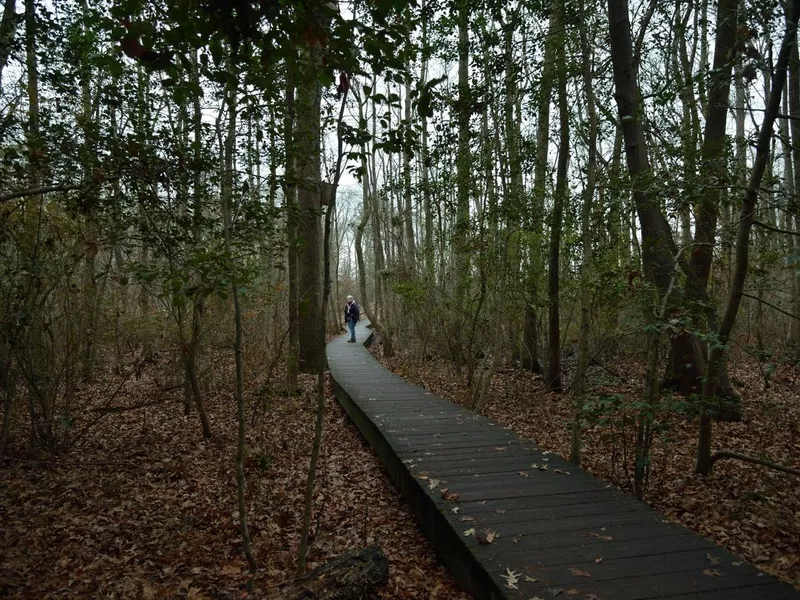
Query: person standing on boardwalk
(351,316)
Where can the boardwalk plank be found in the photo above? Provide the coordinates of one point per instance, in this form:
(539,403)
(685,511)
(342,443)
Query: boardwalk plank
(571,534)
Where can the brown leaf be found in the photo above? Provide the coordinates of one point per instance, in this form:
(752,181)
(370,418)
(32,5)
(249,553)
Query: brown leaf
(598,560)
(486,536)
(579,572)
(231,569)
(711,572)
(449,496)
(147,591)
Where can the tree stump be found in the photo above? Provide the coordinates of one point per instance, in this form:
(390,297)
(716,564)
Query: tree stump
(354,575)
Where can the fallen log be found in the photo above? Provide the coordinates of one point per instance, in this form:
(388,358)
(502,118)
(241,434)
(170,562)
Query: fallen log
(354,575)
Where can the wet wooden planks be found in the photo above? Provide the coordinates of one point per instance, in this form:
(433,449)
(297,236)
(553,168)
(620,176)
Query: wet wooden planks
(558,531)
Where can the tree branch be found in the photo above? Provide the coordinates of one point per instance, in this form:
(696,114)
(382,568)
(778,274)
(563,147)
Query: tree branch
(756,461)
(775,229)
(37,191)
(780,310)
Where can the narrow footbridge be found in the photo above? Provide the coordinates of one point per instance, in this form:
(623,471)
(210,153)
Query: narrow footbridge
(512,521)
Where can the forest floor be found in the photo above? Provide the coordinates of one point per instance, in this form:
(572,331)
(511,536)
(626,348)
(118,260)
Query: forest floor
(143,507)
(752,511)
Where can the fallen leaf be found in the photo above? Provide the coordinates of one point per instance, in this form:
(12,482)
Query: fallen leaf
(231,569)
(572,592)
(579,572)
(598,560)
(531,579)
(455,510)
(433,483)
(512,578)
(711,572)
(712,559)
(486,536)
(466,518)
(470,531)
(148,593)
(449,496)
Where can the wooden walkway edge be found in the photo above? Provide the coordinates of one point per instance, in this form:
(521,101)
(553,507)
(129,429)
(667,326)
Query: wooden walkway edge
(511,521)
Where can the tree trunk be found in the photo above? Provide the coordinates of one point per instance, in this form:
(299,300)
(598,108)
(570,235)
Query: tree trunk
(307,159)
(8,29)
(290,195)
(463,163)
(90,295)
(190,363)
(530,336)
(658,249)
(789,187)
(688,353)
(430,251)
(198,298)
(321,365)
(579,390)
(34,142)
(559,199)
(226,194)
(746,219)
(408,215)
(514,204)
(793,336)
(377,232)
(143,122)
(690,122)
(367,194)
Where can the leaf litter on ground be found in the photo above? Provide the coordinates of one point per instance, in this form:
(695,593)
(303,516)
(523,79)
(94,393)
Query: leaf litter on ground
(150,508)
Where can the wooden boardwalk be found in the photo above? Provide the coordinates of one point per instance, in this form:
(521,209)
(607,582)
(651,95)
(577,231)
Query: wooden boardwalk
(525,523)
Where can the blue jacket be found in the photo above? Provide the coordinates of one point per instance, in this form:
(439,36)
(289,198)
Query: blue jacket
(351,312)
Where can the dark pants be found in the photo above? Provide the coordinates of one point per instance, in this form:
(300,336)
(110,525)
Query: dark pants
(352,324)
